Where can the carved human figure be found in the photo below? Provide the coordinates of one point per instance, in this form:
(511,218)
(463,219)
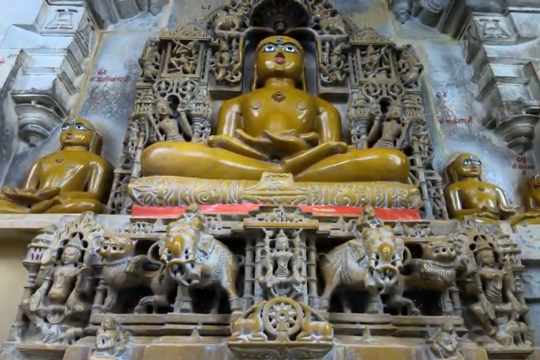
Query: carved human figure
(111,340)
(467,195)
(167,123)
(72,180)
(445,344)
(389,130)
(64,290)
(150,62)
(277,127)
(498,310)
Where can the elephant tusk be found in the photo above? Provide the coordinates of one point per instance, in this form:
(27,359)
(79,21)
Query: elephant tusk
(179,262)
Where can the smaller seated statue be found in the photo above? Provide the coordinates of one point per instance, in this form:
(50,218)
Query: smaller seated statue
(532,194)
(468,196)
(74,179)
(531,202)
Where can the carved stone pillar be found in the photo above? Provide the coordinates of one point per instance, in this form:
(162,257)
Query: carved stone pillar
(500,50)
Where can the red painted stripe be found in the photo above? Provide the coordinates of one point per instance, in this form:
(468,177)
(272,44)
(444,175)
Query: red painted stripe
(176,211)
(385,214)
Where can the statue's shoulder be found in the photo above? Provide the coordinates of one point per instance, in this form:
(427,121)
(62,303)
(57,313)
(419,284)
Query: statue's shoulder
(322,103)
(455,186)
(234,101)
(87,157)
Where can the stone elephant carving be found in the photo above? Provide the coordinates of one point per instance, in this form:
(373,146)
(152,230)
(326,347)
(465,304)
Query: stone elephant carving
(123,270)
(195,259)
(370,263)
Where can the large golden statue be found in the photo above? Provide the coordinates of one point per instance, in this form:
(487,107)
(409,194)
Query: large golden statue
(277,128)
(468,196)
(72,180)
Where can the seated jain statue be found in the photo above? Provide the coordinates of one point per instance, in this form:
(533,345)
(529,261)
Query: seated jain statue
(72,180)
(276,128)
(468,196)
(531,202)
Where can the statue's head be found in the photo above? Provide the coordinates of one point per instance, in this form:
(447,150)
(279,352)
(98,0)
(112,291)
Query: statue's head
(281,57)
(465,165)
(485,252)
(80,132)
(534,182)
(71,254)
(163,108)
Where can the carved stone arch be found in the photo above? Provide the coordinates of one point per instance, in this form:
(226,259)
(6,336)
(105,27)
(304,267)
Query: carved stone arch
(230,26)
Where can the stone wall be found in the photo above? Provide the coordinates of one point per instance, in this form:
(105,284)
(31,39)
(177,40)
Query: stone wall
(481,58)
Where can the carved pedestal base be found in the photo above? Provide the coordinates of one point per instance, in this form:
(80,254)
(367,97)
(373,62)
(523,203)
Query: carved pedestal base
(274,189)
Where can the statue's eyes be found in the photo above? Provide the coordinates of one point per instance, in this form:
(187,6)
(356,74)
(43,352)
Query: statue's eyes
(269,48)
(467,162)
(289,48)
(65,127)
(80,127)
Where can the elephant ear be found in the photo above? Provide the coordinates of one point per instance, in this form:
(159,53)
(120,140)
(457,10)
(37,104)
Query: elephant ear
(206,245)
(357,250)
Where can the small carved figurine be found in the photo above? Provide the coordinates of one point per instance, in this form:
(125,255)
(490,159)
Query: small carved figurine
(167,123)
(445,344)
(123,270)
(468,196)
(111,341)
(498,310)
(74,179)
(150,62)
(391,129)
(197,260)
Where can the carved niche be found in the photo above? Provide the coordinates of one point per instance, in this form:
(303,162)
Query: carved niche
(187,70)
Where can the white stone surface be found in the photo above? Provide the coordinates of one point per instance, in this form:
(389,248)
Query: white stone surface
(41,55)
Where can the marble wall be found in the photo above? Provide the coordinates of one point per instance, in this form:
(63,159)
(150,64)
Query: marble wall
(482,64)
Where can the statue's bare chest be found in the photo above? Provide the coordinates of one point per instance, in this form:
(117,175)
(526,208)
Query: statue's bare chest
(480,194)
(278,111)
(62,168)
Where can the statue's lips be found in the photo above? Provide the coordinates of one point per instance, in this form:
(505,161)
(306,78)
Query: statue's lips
(280,59)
